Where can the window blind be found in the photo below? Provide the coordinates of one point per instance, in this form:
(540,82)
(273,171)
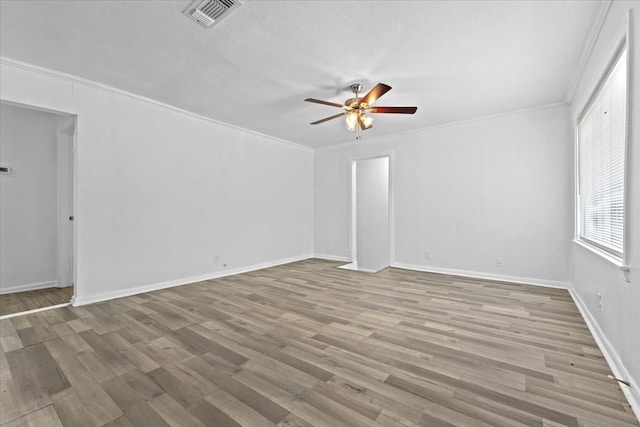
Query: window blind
(601,162)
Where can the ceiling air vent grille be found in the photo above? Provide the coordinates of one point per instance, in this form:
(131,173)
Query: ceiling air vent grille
(210,12)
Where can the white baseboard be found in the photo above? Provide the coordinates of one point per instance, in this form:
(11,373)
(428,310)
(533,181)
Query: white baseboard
(485,276)
(104,296)
(29,287)
(611,356)
(332,257)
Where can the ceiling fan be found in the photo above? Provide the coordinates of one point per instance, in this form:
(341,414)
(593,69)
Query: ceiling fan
(355,108)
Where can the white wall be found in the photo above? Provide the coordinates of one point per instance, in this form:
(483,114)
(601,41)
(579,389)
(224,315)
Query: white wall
(468,193)
(28,202)
(160,193)
(618,323)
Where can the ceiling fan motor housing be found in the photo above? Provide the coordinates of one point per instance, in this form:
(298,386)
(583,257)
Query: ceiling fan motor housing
(351,103)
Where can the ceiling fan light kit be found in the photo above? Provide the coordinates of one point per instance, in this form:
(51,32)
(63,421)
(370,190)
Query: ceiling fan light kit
(355,108)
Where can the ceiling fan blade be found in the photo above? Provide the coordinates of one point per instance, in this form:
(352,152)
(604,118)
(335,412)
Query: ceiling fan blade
(394,110)
(318,101)
(326,119)
(375,93)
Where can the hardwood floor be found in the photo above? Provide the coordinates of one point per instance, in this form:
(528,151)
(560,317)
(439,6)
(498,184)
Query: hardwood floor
(29,300)
(307,344)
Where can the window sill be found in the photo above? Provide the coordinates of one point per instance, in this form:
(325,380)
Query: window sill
(617,262)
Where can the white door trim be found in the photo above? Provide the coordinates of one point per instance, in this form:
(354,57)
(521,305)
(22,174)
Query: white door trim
(71,129)
(351,201)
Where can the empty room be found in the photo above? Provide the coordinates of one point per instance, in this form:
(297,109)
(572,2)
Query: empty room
(319,213)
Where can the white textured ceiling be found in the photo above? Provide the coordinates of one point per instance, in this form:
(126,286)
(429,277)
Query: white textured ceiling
(455,60)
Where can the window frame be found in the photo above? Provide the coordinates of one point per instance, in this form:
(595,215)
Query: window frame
(620,260)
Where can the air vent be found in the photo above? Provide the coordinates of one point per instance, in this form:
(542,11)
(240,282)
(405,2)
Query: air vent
(210,12)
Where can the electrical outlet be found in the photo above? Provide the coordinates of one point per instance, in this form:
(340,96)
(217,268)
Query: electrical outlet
(216,259)
(427,255)
(498,262)
(599,301)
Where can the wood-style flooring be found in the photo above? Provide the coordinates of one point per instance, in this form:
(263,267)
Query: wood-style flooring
(308,344)
(30,300)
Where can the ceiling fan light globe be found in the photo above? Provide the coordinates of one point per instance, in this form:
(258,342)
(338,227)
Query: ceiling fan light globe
(351,120)
(366,121)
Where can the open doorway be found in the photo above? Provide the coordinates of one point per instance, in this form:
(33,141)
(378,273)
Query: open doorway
(370,230)
(36,208)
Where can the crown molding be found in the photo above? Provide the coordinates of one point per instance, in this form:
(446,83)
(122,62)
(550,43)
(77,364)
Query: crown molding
(95,85)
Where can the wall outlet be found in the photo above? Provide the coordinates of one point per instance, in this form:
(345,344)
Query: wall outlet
(216,259)
(427,255)
(498,262)
(599,301)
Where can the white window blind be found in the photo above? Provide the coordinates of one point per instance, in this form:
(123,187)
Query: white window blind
(601,162)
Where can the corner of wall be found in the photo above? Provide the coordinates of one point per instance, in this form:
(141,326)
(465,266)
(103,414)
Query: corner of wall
(618,369)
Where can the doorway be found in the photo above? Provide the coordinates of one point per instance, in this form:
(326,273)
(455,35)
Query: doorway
(370,206)
(36,209)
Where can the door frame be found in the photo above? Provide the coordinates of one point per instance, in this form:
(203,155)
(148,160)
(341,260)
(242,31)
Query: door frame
(351,201)
(72,130)
(67,127)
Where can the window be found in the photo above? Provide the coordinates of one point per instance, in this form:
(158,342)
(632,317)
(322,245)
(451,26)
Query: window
(602,134)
